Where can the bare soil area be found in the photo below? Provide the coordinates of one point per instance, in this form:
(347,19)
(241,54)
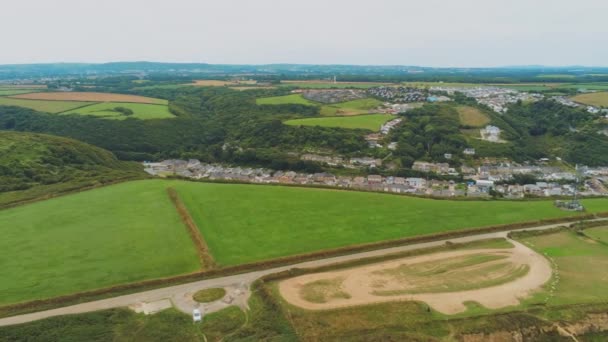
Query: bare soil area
(90,97)
(494,278)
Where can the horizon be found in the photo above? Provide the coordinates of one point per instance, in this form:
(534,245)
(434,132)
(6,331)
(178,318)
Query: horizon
(466,34)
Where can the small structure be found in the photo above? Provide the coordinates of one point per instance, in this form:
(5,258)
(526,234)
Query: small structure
(573,205)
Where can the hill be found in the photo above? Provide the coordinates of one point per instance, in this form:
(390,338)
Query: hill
(29,162)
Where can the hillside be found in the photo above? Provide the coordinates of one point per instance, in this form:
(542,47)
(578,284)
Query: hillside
(30,161)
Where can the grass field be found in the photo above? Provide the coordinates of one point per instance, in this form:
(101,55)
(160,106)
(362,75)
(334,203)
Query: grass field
(90,97)
(599,99)
(43,106)
(599,234)
(355,107)
(287,99)
(117,234)
(582,264)
(471,116)
(209,295)
(129,232)
(371,121)
(140,111)
(8,92)
(244,223)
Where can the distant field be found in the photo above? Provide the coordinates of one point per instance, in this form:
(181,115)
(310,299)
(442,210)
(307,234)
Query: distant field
(94,239)
(287,99)
(90,97)
(594,99)
(140,111)
(220,83)
(43,106)
(23,86)
(7,92)
(355,107)
(471,116)
(371,121)
(320,84)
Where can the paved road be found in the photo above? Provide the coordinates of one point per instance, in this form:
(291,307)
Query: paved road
(180,295)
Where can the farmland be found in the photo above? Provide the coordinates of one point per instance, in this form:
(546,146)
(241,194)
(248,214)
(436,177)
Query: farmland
(287,99)
(471,116)
(8,92)
(371,121)
(89,97)
(599,99)
(76,234)
(355,107)
(94,239)
(43,106)
(139,111)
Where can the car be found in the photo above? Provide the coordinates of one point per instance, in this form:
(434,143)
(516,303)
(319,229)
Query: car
(196,315)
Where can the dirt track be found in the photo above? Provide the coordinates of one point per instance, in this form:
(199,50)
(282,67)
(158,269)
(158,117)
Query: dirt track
(359,283)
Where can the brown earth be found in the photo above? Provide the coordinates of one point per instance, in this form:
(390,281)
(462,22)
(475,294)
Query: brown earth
(91,97)
(361,283)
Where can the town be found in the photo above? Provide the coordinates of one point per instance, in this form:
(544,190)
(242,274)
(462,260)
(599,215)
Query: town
(485,181)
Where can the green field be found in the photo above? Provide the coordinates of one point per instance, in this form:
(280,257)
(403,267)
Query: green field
(130,231)
(94,239)
(371,121)
(287,99)
(43,106)
(599,99)
(107,110)
(7,92)
(582,264)
(355,107)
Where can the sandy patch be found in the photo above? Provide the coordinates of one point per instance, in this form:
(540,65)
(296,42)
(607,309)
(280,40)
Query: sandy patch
(362,284)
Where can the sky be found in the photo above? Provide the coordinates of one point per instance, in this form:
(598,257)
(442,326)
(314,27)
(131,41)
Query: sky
(436,33)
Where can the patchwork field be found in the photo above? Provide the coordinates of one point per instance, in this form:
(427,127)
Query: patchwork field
(287,99)
(599,99)
(370,121)
(471,116)
(220,83)
(495,278)
(130,231)
(89,97)
(355,107)
(43,106)
(116,110)
(90,240)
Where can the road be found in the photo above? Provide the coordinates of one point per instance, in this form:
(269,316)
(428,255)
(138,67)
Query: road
(181,295)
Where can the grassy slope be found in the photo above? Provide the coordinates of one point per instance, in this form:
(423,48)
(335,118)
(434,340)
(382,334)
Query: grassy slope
(471,116)
(7,92)
(371,122)
(244,223)
(32,161)
(43,106)
(140,111)
(117,234)
(287,99)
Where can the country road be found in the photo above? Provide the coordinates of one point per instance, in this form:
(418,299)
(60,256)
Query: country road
(180,295)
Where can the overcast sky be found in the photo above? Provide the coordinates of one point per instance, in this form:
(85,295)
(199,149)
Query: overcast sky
(404,32)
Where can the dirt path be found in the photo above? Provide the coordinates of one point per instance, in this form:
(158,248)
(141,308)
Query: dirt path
(176,293)
(359,283)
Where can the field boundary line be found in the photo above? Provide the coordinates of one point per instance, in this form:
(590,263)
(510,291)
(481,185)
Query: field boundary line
(83,106)
(205,258)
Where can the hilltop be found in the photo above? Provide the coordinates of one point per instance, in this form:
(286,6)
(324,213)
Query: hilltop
(30,162)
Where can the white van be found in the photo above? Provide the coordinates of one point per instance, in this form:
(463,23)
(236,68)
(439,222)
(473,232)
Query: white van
(196,315)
